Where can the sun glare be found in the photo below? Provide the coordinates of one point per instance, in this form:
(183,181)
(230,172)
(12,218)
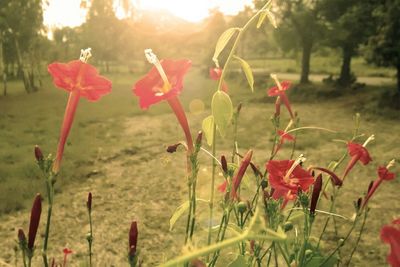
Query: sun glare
(61,13)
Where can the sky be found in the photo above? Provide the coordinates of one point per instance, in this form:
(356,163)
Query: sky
(61,13)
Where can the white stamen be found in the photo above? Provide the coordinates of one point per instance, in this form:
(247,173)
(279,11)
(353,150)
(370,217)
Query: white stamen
(371,138)
(152,59)
(275,77)
(85,54)
(390,164)
(297,162)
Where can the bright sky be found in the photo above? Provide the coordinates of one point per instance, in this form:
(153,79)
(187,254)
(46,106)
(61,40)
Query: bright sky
(68,13)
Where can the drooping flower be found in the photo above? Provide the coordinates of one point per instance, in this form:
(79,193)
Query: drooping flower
(165,82)
(215,74)
(390,234)
(280,91)
(283,137)
(286,177)
(358,153)
(80,79)
(383,175)
(36,211)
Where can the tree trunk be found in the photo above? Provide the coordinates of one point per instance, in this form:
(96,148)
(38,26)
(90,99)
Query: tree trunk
(25,79)
(305,62)
(398,85)
(3,66)
(345,72)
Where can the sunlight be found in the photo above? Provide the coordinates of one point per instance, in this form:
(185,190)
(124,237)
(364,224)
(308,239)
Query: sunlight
(193,11)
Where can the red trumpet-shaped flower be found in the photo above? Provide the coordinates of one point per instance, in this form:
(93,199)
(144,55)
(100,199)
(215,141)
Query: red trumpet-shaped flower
(215,74)
(390,234)
(383,175)
(358,153)
(165,82)
(34,221)
(80,80)
(286,177)
(280,91)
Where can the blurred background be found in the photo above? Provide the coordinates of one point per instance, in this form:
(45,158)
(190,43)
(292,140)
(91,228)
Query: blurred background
(342,55)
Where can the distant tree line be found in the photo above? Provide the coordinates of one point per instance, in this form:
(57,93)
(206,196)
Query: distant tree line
(349,26)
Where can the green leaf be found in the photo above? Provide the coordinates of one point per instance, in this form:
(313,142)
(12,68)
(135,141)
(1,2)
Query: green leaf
(267,13)
(240,261)
(247,71)
(261,19)
(222,110)
(223,41)
(208,129)
(180,211)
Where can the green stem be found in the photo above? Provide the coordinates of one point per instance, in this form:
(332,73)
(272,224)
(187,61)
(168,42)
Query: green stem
(221,236)
(50,195)
(210,218)
(358,239)
(90,239)
(23,256)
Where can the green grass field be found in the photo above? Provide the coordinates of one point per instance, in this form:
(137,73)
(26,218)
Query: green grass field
(117,151)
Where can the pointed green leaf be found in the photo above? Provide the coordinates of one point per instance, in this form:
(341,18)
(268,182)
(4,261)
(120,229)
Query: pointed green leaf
(223,41)
(247,71)
(267,13)
(261,19)
(208,129)
(180,211)
(222,111)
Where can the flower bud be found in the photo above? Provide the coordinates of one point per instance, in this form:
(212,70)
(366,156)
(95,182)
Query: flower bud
(89,202)
(224,164)
(173,148)
(240,173)
(358,204)
(264,184)
(242,207)
(199,138)
(21,237)
(287,226)
(133,235)
(315,194)
(34,222)
(239,108)
(370,186)
(38,154)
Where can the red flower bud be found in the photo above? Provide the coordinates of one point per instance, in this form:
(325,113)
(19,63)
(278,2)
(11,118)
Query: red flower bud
(89,202)
(199,139)
(173,148)
(133,235)
(35,219)
(21,236)
(239,175)
(38,153)
(224,164)
(315,194)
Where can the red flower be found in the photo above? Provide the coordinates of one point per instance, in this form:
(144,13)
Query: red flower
(284,136)
(357,153)
(154,88)
(151,88)
(390,234)
(66,252)
(286,180)
(280,92)
(81,80)
(383,175)
(215,74)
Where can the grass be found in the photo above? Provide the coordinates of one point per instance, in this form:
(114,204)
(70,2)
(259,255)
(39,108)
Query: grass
(117,151)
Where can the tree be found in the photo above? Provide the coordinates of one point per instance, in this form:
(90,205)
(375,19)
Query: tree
(20,24)
(349,24)
(301,17)
(384,45)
